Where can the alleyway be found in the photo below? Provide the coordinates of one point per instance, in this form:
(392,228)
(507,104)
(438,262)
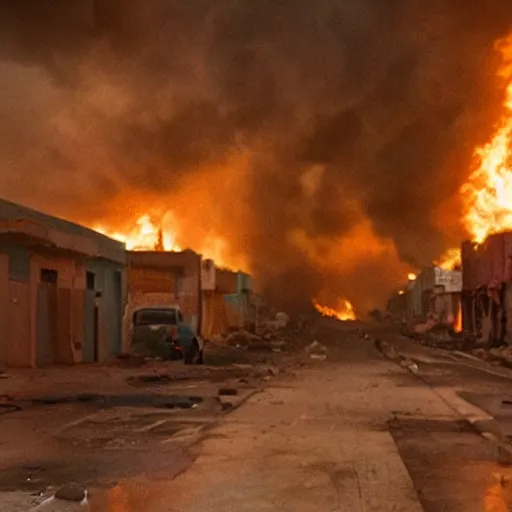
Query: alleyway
(353,433)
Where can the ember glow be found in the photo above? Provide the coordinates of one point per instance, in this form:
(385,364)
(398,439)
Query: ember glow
(344,310)
(457,325)
(488,192)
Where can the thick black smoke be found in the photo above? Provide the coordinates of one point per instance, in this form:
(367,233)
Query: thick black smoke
(353,112)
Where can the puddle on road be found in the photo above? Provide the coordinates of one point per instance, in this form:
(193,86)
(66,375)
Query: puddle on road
(135,495)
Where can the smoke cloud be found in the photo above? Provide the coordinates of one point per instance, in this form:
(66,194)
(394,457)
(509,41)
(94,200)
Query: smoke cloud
(324,142)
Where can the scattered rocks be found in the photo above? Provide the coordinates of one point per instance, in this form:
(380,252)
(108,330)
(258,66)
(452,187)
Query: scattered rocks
(71,492)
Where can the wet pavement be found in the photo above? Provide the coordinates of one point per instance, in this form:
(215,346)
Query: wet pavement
(354,430)
(98,426)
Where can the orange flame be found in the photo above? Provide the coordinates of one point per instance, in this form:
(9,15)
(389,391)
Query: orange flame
(457,325)
(449,260)
(145,236)
(344,311)
(148,234)
(488,192)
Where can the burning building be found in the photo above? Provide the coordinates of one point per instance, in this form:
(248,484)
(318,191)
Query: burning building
(434,292)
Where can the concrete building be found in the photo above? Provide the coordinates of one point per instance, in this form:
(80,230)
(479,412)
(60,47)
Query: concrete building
(227,300)
(163,278)
(61,293)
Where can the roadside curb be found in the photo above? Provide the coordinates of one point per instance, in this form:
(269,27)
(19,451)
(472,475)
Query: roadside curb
(481,365)
(478,419)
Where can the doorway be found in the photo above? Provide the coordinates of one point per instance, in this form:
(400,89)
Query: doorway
(47,317)
(91,321)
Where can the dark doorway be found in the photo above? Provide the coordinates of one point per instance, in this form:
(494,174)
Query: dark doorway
(91,324)
(47,317)
(91,280)
(96,333)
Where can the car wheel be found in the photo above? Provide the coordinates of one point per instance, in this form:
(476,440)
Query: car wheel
(194,355)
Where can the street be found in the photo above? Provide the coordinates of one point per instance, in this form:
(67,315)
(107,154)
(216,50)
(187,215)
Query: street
(353,432)
(255,256)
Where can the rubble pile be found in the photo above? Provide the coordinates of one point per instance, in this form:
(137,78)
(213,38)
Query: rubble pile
(439,335)
(501,355)
(270,335)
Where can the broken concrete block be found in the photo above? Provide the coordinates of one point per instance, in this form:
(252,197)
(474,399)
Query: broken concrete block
(71,492)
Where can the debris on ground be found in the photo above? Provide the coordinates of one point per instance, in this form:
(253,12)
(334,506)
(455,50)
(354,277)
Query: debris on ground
(500,355)
(242,339)
(316,348)
(71,492)
(264,339)
(318,357)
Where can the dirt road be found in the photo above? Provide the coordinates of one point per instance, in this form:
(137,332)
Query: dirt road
(355,432)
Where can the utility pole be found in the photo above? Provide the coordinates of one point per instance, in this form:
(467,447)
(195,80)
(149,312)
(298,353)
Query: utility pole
(160,241)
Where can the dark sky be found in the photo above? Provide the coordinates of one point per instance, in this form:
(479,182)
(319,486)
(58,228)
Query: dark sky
(325,140)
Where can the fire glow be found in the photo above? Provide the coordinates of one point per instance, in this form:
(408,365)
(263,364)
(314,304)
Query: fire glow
(145,236)
(488,192)
(449,260)
(344,312)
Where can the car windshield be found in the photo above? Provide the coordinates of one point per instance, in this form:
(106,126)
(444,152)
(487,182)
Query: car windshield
(155,317)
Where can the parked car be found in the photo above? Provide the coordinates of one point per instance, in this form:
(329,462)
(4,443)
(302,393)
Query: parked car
(160,331)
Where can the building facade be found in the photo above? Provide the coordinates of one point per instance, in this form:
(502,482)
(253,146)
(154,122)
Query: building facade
(487,288)
(61,293)
(435,292)
(158,278)
(228,301)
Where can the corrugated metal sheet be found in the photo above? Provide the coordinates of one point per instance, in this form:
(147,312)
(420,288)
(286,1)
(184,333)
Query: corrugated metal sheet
(496,253)
(469,266)
(489,263)
(507,250)
(483,266)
